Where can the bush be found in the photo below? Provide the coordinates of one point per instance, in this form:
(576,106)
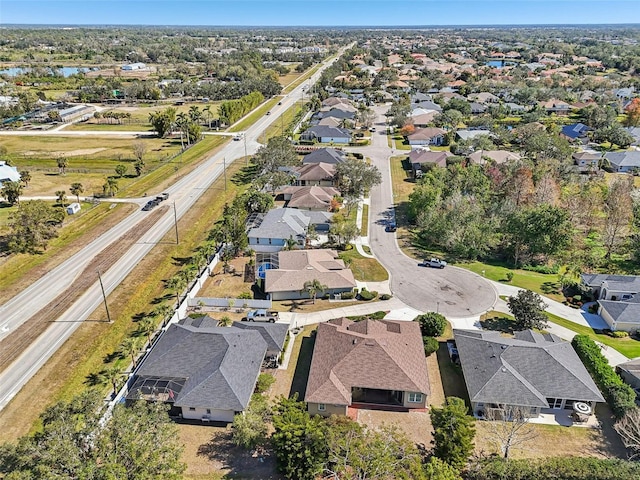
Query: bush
(546,269)
(430,345)
(509,276)
(432,324)
(264,382)
(366,295)
(385,296)
(619,334)
(245,296)
(346,296)
(619,395)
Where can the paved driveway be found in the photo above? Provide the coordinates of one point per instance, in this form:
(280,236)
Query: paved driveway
(452,291)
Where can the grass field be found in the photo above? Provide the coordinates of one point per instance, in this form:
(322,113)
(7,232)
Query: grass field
(280,126)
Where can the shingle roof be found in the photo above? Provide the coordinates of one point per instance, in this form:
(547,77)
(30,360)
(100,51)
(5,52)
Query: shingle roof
(470,134)
(373,354)
(575,130)
(295,267)
(272,333)
(621,283)
(623,311)
(498,156)
(220,364)
(316,171)
(320,131)
(624,159)
(312,197)
(325,155)
(282,223)
(524,370)
(419,156)
(426,133)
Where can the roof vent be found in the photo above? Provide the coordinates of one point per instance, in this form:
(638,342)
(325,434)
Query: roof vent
(504,370)
(503,347)
(355,340)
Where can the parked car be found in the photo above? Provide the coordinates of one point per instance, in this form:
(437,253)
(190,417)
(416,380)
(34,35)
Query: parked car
(433,263)
(372,129)
(261,316)
(237,138)
(391,227)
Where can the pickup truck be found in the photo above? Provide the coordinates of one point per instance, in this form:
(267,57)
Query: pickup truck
(261,316)
(434,263)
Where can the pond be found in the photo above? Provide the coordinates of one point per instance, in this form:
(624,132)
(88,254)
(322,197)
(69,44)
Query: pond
(499,63)
(64,71)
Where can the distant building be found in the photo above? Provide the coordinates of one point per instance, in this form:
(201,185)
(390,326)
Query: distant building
(134,66)
(8,173)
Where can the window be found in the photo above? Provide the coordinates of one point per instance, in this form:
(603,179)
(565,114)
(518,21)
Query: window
(208,410)
(414,397)
(192,409)
(322,407)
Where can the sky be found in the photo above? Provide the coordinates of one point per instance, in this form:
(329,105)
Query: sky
(318,13)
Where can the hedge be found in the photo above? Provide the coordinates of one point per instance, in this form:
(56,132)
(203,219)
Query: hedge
(565,468)
(618,394)
(430,345)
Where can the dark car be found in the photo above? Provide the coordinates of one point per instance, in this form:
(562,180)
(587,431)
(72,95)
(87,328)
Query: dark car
(391,227)
(269,112)
(279,103)
(149,205)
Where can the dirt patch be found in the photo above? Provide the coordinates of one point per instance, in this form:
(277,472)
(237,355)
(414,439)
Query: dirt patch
(209,451)
(69,153)
(416,425)
(23,336)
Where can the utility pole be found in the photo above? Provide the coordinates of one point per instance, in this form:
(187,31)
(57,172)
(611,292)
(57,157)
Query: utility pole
(104,296)
(246,157)
(175,223)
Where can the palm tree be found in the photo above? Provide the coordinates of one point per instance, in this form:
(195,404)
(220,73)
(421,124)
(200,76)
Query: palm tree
(62,196)
(312,287)
(290,243)
(147,325)
(225,321)
(62,165)
(207,112)
(177,283)
(130,346)
(164,312)
(110,188)
(194,113)
(25,177)
(181,122)
(76,189)
(112,375)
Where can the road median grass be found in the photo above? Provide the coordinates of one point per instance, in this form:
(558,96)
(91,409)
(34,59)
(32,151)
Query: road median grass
(280,126)
(302,78)
(95,344)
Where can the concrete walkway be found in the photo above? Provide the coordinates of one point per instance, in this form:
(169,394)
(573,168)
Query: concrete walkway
(360,240)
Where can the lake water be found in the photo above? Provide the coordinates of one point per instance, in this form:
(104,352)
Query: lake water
(65,71)
(498,63)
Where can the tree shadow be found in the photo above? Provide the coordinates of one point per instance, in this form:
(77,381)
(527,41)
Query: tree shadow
(181,261)
(164,298)
(301,374)
(112,357)
(93,380)
(451,375)
(245,175)
(241,463)
(499,324)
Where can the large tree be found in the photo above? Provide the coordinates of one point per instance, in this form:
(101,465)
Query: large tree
(163,121)
(528,309)
(76,189)
(356,177)
(628,427)
(453,432)
(509,427)
(11,192)
(618,210)
(32,226)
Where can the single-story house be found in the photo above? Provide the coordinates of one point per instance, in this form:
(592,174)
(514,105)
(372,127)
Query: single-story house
(335,113)
(373,363)
(623,161)
(325,155)
(464,134)
(483,97)
(621,314)
(274,334)
(420,158)
(320,174)
(427,136)
(478,108)
(330,122)
(205,374)
(325,134)
(630,372)
(497,156)
(8,173)
(635,133)
(309,197)
(295,267)
(270,231)
(134,66)
(333,101)
(587,161)
(533,371)
(575,131)
(556,106)
(611,287)
(424,119)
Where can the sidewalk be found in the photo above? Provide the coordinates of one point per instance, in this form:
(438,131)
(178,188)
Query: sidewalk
(360,241)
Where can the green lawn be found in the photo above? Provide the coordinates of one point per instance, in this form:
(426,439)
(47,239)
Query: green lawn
(401,143)
(544,284)
(279,127)
(301,79)
(364,229)
(364,269)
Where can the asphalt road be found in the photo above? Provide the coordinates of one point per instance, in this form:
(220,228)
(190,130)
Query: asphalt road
(184,193)
(452,291)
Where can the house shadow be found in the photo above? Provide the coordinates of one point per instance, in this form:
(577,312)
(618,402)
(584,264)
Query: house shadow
(237,461)
(499,324)
(301,374)
(451,375)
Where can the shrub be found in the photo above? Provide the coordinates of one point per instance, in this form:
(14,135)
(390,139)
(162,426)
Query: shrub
(432,324)
(619,395)
(245,296)
(347,295)
(430,345)
(264,382)
(546,269)
(619,334)
(509,276)
(385,296)
(366,295)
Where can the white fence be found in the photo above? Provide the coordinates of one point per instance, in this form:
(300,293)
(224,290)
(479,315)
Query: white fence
(227,303)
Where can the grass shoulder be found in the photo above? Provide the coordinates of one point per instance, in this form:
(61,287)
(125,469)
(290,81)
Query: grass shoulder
(364,269)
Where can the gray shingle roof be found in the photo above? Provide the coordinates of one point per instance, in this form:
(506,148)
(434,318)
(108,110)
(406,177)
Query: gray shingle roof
(620,311)
(325,155)
(220,365)
(624,159)
(282,223)
(620,283)
(272,333)
(524,370)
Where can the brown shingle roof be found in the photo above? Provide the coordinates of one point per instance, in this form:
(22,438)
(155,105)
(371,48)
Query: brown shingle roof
(375,354)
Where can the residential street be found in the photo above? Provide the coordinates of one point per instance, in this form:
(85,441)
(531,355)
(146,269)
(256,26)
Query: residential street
(452,291)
